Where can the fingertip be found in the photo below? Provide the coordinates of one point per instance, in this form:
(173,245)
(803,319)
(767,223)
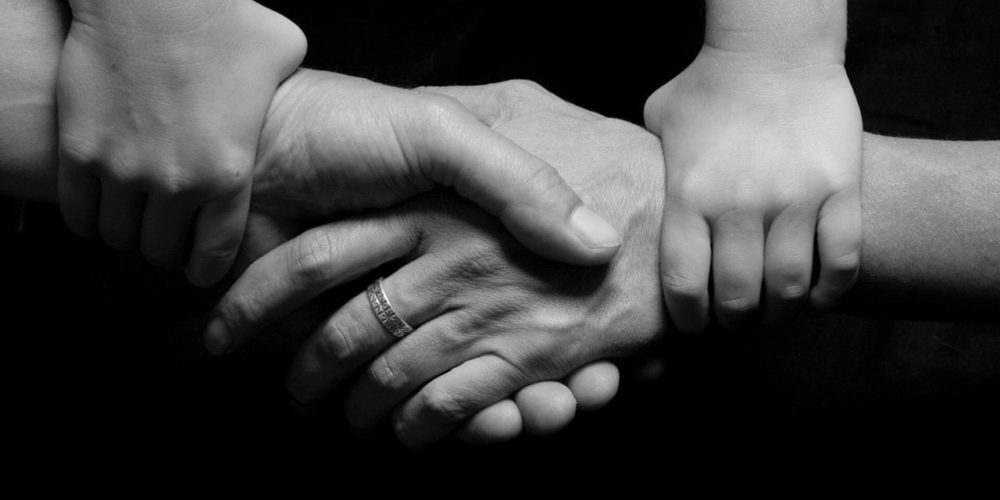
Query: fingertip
(218,235)
(495,424)
(546,407)
(685,266)
(688,310)
(584,238)
(839,240)
(594,230)
(595,385)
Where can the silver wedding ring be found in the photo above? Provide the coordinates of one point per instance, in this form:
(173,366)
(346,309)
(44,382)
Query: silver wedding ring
(392,323)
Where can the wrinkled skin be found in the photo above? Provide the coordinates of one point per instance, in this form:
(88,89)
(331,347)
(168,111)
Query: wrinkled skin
(491,318)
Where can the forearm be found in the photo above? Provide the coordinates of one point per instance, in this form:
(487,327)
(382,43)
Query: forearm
(932,228)
(785,32)
(931,225)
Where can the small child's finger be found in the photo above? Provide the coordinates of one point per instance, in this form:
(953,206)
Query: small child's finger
(839,240)
(685,263)
(737,266)
(218,233)
(788,255)
(165,232)
(120,216)
(79,196)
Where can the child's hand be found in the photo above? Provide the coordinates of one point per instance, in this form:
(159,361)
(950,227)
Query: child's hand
(760,164)
(160,109)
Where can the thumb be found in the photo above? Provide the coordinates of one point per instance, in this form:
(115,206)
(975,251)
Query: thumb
(532,200)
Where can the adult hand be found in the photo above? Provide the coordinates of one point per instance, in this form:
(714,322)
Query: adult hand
(490,318)
(334,143)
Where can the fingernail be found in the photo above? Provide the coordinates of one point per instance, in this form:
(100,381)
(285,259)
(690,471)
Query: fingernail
(217,339)
(593,229)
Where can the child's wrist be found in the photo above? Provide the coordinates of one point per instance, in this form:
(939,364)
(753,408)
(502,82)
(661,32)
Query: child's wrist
(779,32)
(742,62)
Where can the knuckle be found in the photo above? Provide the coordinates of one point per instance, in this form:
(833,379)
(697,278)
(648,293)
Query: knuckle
(443,404)
(681,286)
(309,257)
(788,196)
(238,310)
(521,95)
(287,42)
(542,177)
(792,291)
(335,344)
(185,178)
(478,263)
(790,278)
(843,266)
(694,189)
(521,89)
(441,110)
(294,43)
(113,163)
(222,250)
(222,247)
(386,375)
(737,306)
(550,361)
(78,151)
(230,172)
(169,180)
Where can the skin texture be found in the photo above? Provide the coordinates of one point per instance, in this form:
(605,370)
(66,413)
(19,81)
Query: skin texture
(762,134)
(490,317)
(931,235)
(473,298)
(401,143)
(160,108)
(409,131)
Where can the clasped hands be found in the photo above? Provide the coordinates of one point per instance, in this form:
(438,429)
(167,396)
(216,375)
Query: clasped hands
(493,320)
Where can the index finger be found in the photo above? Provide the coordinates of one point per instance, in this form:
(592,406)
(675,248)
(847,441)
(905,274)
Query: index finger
(299,270)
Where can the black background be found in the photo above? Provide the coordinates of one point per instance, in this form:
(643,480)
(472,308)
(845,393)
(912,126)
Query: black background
(107,376)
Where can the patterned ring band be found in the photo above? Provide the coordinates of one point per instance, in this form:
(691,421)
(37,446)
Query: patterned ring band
(392,323)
